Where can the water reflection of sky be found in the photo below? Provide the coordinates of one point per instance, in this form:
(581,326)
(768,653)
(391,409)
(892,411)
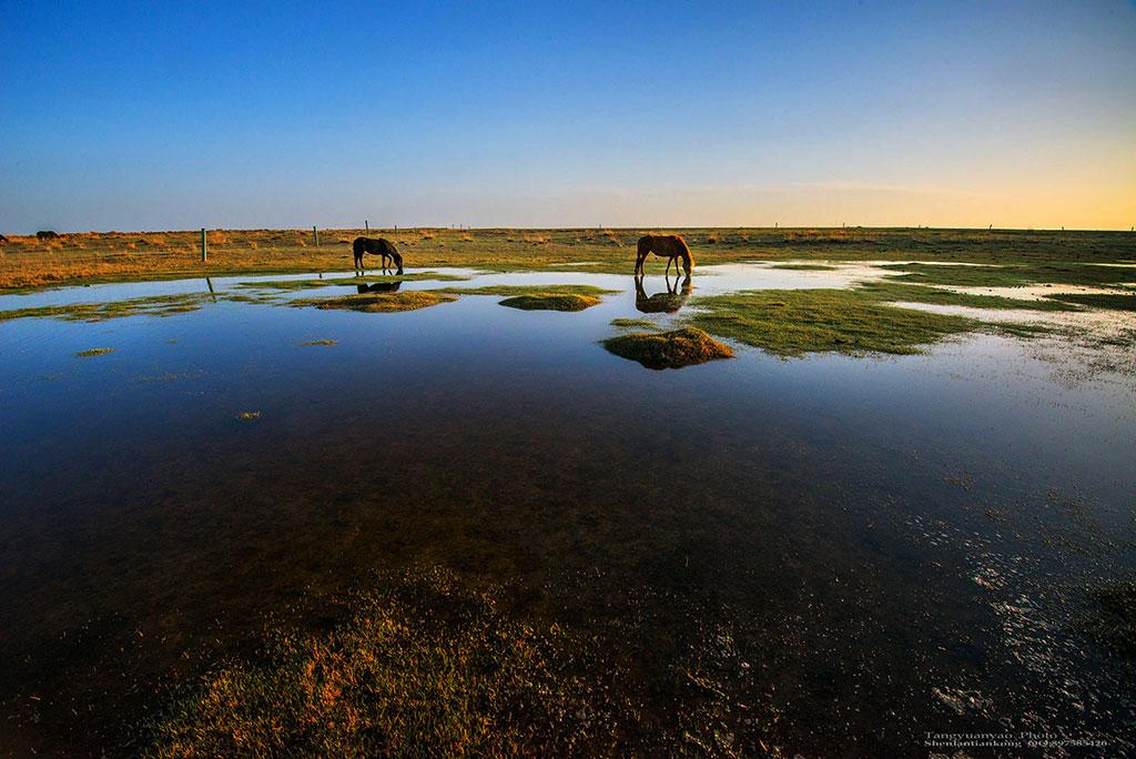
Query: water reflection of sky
(130,487)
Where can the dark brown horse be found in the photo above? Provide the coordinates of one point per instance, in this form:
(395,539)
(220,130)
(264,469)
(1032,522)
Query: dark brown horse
(661,303)
(670,247)
(380,247)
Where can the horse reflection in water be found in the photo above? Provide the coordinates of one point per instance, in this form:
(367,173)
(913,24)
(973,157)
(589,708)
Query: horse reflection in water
(665,302)
(380,287)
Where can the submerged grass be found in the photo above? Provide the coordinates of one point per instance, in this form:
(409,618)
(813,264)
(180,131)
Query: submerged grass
(409,300)
(551,302)
(1112,618)
(668,350)
(94,352)
(324,341)
(425,667)
(796,322)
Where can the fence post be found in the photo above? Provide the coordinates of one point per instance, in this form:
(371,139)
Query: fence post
(366,227)
(316,235)
(204,248)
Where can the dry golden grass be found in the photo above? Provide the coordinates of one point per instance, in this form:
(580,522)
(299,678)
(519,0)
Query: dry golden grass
(26,262)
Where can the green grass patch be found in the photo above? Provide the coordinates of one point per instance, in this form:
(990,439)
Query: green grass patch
(94,352)
(796,322)
(1114,301)
(897,291)
(325,341)
(668,350)
(410,300)
(515,290)
(634,323)
(310,284)
(804,267)
(154,305)
(248,416)
(1021,330)
(1011,275)
(551,302)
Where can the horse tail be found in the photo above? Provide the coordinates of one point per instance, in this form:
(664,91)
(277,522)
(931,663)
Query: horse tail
(641,253)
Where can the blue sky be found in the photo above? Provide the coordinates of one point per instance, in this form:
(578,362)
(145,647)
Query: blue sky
(182,115)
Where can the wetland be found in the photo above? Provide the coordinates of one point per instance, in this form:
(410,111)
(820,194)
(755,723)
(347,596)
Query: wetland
(315,513)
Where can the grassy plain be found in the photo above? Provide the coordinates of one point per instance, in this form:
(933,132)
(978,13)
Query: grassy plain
(88,257)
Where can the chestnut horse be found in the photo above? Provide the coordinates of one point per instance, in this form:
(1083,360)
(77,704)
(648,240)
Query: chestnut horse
(670,247)
(380,247)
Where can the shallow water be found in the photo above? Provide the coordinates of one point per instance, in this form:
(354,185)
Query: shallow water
(857,551)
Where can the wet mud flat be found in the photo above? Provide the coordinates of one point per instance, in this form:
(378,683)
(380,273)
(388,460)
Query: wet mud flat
(823,551)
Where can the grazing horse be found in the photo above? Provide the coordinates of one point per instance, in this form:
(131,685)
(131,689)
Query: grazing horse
(670,247)
(661,303)
(381,247)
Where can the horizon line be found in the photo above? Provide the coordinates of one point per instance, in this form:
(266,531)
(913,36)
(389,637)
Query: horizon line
(472,228)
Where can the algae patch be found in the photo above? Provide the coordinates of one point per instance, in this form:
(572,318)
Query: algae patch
(248,416)
(668,350)
(325,341)
(410,300)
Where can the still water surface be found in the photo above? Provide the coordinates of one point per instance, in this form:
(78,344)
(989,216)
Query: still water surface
(861,549)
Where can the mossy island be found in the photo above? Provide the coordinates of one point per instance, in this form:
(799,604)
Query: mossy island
(668,350)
